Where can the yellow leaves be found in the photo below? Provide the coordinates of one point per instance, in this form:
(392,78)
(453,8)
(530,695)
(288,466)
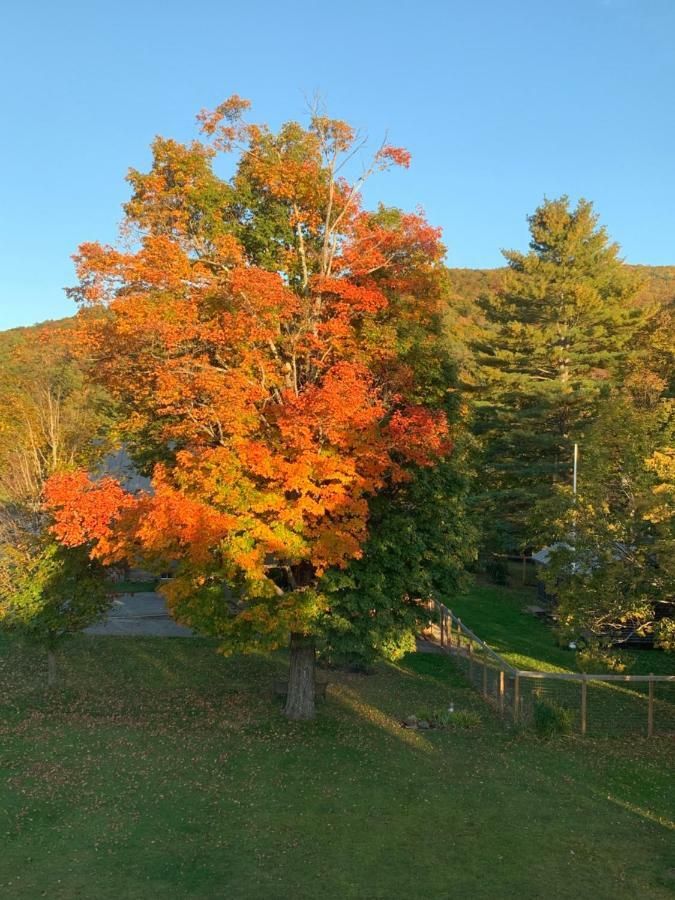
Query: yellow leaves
(662,463)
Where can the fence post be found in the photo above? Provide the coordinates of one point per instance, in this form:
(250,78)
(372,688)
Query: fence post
(501,691)
(470,660)
(516,696)
(584,690)
(441,611)
(650,707)
(459,634)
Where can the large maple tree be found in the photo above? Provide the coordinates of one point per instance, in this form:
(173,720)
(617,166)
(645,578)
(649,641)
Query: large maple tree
(273,348)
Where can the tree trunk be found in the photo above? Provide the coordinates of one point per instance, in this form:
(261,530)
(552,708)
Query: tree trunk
(300,696)
(51,667)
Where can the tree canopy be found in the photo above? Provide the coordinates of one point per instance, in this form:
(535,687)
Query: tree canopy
(276,351)
(612,565)
(330,418)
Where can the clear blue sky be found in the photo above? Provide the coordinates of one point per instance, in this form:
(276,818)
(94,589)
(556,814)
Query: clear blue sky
(499,102)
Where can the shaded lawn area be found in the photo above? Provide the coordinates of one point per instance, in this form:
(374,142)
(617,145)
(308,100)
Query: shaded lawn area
(496,615)
(160,769)
(133,587)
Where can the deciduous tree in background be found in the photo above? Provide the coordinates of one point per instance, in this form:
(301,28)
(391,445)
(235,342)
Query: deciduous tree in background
(612,567)
(51,420)
(276,352)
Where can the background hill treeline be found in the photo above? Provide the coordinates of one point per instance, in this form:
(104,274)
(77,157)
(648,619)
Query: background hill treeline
(464,287)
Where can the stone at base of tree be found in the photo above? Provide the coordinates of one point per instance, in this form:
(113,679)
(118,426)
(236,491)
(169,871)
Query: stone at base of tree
(281,688)
(423,724)
(410,722)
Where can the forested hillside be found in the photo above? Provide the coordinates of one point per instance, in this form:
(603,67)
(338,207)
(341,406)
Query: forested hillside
(14,338)
(658,282)
(465,286)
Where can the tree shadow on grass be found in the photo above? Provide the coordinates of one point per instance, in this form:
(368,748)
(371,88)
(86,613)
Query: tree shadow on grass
(144,682)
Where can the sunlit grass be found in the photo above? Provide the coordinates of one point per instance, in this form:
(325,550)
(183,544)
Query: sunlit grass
(160,769)
(496,615)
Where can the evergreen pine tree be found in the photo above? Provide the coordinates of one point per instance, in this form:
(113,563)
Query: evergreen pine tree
(560,331)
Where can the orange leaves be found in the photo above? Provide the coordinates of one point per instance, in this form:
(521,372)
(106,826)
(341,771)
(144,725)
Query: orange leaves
(227,251)
(177,197)
(87,511)
(288,168)
(392,244)
(348,298)
(339,409)
(160,264)
(263,298)
(397,156)
(175,525)
(280,394)
(419,434)
(223,124)
(258,459)
(335,135)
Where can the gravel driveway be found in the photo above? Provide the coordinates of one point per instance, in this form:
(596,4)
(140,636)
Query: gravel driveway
(143,613)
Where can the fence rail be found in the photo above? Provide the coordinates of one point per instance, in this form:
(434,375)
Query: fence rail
(595,704)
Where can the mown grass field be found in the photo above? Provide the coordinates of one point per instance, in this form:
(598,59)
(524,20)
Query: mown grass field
(159,769)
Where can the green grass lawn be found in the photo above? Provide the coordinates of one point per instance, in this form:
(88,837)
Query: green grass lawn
(496,615)
(160,769)
(133,587)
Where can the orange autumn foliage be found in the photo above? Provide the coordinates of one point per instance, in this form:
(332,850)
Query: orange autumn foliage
(275,400)
(89,510)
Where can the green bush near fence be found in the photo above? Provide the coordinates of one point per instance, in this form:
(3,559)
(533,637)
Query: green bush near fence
(602,704)
(550,719)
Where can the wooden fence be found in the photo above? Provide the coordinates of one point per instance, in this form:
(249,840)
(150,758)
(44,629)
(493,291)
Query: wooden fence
(598,704)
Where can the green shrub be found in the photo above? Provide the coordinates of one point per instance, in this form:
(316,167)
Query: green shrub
(497,571)
(425,715)
(443,718)
(464,719)
(597,659)
(551,719)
